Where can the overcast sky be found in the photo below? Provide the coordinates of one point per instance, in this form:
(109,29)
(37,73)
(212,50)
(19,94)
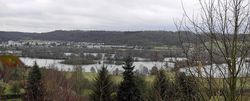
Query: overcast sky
(48,15)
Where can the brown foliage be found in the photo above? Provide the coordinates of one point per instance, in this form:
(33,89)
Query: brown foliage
(58,87)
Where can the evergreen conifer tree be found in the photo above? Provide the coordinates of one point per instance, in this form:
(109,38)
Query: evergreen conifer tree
(103,86)
(34,86)
(128,90)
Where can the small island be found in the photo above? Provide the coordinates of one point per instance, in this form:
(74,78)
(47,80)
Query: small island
(79,62)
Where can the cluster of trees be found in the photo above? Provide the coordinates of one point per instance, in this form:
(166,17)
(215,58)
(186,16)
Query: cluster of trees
(39,84)
(47,85)
(51,84)
(34,90)
(134,88)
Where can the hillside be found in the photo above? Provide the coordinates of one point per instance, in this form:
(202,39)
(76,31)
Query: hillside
(107,37)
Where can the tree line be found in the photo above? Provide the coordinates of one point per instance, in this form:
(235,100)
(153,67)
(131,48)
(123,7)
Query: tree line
(133,86)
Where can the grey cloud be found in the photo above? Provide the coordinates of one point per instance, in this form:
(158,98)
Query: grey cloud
(48,15)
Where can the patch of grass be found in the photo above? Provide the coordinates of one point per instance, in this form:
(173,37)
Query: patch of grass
(220,98)
(15,100)
(87,92)
(150,79)
(90,76)
(117,79)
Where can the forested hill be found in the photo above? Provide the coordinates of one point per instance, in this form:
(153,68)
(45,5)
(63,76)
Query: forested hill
(107,37)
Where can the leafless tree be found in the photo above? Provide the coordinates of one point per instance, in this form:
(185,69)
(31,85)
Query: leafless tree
(58,87)
(218,55)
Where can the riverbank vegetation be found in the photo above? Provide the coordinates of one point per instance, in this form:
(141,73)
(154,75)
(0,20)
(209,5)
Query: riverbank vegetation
(77,85)
(79,62)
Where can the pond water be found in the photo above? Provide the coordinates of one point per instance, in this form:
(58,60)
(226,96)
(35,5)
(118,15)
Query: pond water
(56,63)
(216,70)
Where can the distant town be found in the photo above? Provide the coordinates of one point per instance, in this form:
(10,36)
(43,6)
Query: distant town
(14,46)
(41,43)
(64,49)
